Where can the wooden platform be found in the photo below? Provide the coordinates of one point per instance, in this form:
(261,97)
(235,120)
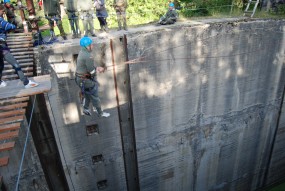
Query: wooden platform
(15,88)
(4,161)
(14,97)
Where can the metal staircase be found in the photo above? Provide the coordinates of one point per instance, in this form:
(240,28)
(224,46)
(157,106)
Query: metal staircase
(251,8)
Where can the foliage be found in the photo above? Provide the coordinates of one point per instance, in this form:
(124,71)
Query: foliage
(278,9)
(139,11)
(204,7)
(146,11)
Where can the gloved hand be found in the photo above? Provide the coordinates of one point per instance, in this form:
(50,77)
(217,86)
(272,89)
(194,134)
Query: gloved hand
(100,69)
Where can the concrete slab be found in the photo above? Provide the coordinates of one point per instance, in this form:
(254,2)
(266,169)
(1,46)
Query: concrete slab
(15,88)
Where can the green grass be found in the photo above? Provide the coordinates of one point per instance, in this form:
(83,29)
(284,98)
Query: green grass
(280,187)
(139,19)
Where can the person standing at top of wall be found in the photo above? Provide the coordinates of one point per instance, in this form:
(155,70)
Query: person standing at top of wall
(6,54)
(70,7)
(120,7)
(101,14)
(87,15)
(86,78)
(53,14)
(170,17)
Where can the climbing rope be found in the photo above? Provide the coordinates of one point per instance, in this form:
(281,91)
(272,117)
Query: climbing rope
(25,146)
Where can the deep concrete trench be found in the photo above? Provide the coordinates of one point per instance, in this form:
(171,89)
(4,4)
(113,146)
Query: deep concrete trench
(194,106)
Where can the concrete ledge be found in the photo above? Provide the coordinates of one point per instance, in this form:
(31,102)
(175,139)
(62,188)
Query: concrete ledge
(15,88)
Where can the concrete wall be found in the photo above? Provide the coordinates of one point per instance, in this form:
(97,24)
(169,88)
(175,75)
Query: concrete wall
(201,114)
(276,169)
(75,146)
(206,103)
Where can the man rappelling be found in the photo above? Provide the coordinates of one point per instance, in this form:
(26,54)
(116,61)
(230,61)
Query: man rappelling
(86,78)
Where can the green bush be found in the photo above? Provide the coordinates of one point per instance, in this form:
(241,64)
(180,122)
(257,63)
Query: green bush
(203,7)
(281,9)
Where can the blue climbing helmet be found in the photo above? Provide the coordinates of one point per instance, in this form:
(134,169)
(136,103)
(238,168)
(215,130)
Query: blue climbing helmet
(7,1)
(85,41)
(171,4)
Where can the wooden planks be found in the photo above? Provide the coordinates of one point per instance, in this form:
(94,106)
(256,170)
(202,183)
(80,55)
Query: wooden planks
(29,74)
(12,119)
(13,106)
(9,127)
(21,47)
(9,135)
(13,100)
(3,162)
(20,34)
(26,69)
(12,113)
(13,42)
(23,53)
(23,59)
(7,146)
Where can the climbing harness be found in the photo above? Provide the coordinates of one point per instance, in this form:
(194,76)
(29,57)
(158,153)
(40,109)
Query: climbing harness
(84,90)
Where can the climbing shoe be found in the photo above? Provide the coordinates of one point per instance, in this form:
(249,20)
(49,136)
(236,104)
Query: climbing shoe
(31,84)
(105,114)
(87,112)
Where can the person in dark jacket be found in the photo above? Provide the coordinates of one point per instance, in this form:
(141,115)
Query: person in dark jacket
(53,14)
(86,78)
(86,12)
(170,17)
(101,14)
(6,54)
(70,8)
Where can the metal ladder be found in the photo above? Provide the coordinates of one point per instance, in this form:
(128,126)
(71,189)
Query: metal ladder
(247,11)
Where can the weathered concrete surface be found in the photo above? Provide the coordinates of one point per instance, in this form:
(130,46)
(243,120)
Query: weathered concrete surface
(205,102)
(76,148)
(277,168)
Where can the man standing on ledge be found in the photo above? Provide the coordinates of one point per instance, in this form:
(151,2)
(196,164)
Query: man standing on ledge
(86,12)
(5,53)
(120,7)
(70,8)
(86,78)
(53,14)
